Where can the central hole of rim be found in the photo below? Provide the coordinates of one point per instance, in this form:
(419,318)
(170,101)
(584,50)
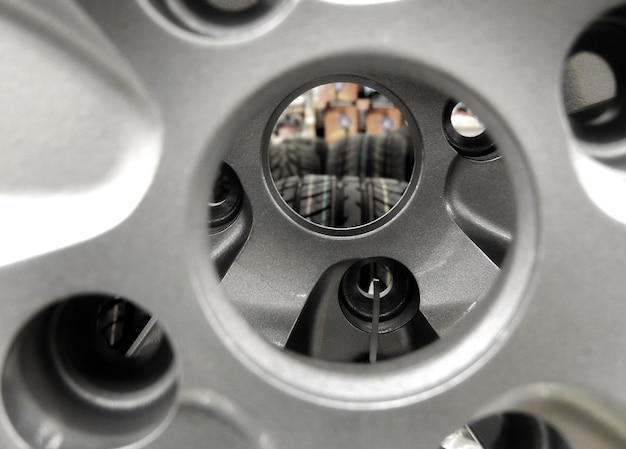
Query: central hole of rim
(372,271)
(341,155)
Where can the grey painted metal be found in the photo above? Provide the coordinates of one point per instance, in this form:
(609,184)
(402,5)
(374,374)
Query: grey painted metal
(156,109)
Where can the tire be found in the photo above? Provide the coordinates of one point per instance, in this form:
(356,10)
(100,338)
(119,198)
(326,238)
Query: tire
(324,200)
(368,200)
(314,197)
(352,199)
(365,155)
(297,157)
(379,196)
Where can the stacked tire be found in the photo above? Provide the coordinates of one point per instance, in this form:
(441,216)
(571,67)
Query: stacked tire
(358,180)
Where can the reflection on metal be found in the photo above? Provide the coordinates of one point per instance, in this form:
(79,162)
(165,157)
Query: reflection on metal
(147,342)
(375,289)
(461,439)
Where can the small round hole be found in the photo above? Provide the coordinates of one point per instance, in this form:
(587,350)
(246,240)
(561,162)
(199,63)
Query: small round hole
(465,122)
(95,371)
(506,431)
(399,293)
(225,199)
(372,271)
(465,131)
(593,77)
(220,19)
(590,89)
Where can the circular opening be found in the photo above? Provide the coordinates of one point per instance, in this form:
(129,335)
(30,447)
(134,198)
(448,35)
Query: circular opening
(219,18)
(341,155)
(465,122)
(372,271)
(394,296)
(222,189)
(327,173)
(445,248)
(466,132)
(225,12)
(379,296)
(590,89)
(594,76)
(593,79)
(506,431)
(225,199)
(96,371)
(108,346)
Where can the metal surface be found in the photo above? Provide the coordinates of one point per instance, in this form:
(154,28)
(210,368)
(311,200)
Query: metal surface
(116,119)
(461,439)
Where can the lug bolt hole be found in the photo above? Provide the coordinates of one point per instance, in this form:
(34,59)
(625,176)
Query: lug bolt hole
(465,131)
(375,271)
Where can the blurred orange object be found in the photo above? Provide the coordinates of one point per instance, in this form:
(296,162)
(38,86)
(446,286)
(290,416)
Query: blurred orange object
(383,120)
(339,91)
(339,122)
